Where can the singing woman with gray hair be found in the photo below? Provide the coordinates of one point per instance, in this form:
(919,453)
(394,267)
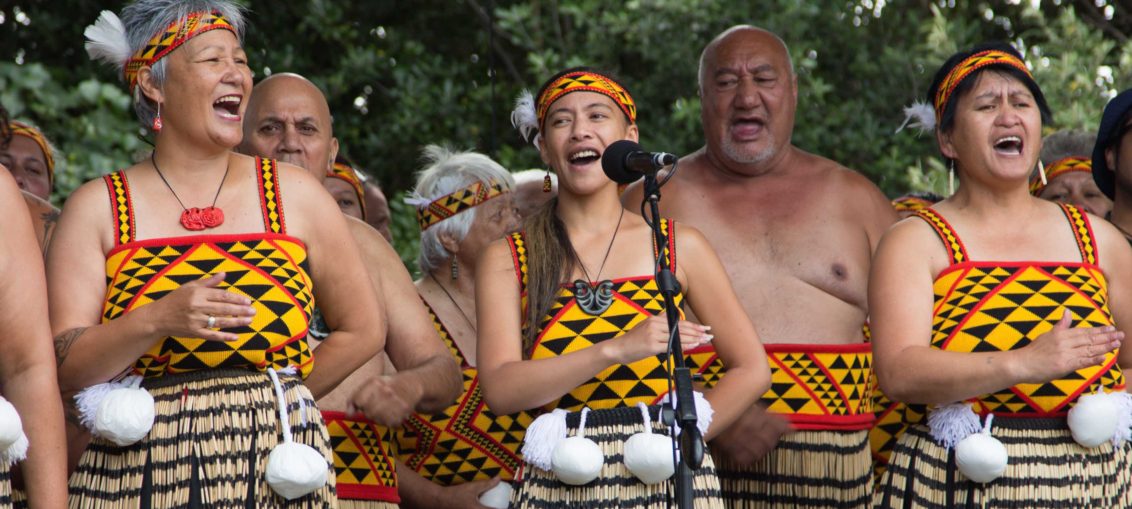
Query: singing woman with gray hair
(464,202)
(190,277)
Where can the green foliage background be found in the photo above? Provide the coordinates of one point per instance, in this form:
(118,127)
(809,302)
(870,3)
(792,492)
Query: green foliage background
(399,75)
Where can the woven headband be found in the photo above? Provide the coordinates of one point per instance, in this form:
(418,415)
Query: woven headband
(18,128)
(345,172)
(1059,168)
(969,65)
(174,35)
(456,202)
(585,81)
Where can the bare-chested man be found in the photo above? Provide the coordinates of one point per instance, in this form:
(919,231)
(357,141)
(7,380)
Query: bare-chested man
(796,233)
(288,119)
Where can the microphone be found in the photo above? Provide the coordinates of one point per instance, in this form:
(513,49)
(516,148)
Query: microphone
(625,161)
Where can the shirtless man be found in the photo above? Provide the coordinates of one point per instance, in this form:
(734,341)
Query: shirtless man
(796,233)
(288,119)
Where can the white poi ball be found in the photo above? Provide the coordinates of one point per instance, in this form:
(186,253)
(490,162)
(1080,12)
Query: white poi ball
(981,457)
(498,497)
(295,469)
(11,427)
(125,415)
(1093,420)
(577,460)
(649,457)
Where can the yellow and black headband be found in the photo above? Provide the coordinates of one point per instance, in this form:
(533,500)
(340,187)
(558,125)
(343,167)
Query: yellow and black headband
(584,81)
(343,171)
(1058,168)
(431,212)
(969,65)
(18,128)
(174,35)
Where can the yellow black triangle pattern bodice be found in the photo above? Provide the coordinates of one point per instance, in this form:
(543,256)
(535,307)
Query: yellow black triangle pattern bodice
(269,267)
(984,306)
(466,441)
(566,328)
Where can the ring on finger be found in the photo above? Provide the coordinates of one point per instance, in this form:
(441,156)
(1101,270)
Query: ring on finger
(211,322)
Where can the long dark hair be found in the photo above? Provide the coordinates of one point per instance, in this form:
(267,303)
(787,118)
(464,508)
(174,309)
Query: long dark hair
(550,254)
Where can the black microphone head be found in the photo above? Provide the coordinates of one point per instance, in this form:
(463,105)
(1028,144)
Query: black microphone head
(613,161)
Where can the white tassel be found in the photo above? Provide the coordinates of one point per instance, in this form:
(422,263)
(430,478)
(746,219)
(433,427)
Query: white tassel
(16,452)
(87,401)
(952,423)
(704,412)
(121,412)
(524,119)
(13,441)
(293,469)
(919,115)
(106,40)
(1123,401)
(542,436)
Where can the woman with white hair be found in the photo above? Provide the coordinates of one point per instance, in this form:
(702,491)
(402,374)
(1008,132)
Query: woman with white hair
(464,202)
(194,273)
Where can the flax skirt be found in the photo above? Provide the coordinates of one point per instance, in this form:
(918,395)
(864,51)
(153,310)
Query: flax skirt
(366,504)
(616,487)
(808,469)
(208,447)
(1046,469)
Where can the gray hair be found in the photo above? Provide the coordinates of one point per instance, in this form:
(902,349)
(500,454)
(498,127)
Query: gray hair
(715,42)
(145,18)
(445,172)
(1062,144)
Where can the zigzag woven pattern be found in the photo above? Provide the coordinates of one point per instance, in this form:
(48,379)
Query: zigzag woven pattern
(1001,306)
(362,463)
(466,441)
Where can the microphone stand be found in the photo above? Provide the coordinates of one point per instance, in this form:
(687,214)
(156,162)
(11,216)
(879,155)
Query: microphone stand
(688,450)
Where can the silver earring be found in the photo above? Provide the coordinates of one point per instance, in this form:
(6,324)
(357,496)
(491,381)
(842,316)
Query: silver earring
(455,269)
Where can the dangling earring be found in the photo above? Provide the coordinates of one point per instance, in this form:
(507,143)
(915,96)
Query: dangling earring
(157,120)
(455,269)
(547,185)
(951,177)
(1042,172)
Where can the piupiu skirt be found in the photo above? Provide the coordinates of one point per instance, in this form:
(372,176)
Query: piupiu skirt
(808,469)
(208,447)
(616,487)
(1045,469)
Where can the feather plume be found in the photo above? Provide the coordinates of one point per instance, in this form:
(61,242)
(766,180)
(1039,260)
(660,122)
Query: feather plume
(523,117)
(106,40)
(417,201)
(919,115)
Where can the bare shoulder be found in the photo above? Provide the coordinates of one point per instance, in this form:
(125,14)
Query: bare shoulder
(295,180)
(373,246)
(912,237)
(1110,242)
(495,257)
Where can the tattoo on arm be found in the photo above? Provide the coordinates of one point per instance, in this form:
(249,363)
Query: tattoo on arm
(63,343)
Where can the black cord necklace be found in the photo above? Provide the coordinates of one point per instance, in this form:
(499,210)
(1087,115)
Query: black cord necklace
(595,298)
(196,219)
(454,303)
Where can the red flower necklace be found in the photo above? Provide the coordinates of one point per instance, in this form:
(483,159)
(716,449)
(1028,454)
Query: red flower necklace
(196,219)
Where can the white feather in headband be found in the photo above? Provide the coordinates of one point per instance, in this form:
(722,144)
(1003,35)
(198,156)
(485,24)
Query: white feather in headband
(524,119)
(106,40)
(920,115)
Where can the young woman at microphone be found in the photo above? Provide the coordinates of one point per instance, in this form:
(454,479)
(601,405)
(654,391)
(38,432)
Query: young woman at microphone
(572,325)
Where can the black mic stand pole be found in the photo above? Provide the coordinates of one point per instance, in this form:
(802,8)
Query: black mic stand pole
(690,443)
